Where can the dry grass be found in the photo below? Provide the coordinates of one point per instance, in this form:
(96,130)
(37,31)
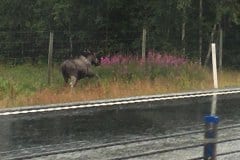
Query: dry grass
(114,89)
(229,79)
(189,79)
(90,92)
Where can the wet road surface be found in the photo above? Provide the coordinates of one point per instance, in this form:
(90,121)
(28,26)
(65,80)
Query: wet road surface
(107,133)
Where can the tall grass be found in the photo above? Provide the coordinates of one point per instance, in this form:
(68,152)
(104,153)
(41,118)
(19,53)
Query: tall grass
(119,76)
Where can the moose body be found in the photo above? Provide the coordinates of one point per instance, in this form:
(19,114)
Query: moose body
(78,68)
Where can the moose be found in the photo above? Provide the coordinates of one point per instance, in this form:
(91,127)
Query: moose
(79,68)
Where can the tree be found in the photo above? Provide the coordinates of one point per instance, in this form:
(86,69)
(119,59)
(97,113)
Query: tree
(224,8)
(183,5)
(116,26)
(200,31)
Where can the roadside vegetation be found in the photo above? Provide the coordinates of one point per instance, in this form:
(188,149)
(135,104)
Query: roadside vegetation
(119,76)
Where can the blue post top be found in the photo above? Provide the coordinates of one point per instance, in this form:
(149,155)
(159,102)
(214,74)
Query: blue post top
(211,119)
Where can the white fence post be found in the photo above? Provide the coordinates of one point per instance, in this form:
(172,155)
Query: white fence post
(215,78)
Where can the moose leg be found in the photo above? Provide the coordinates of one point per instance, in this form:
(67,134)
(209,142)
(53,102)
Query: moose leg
(65,81)
(73,81)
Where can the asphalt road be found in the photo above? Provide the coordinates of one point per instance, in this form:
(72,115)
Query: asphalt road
(134,131)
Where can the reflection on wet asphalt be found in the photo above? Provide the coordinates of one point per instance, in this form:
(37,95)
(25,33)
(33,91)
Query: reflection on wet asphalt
(38,133)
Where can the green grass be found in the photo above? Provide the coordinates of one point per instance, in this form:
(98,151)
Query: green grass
(27,84)
(24,80)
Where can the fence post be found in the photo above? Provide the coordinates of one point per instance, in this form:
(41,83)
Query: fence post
(50,53)
(214,65)
(144,44)
(211,121)
(210,137)
(215,79)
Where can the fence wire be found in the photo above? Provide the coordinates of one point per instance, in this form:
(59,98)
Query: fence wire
(17,46)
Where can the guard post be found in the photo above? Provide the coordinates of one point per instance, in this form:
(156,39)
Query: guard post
(210,137)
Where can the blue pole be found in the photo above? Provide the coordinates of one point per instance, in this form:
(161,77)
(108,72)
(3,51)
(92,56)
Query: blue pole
(210,136)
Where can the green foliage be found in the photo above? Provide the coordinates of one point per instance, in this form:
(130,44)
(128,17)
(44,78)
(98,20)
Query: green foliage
(135,71)
(22,79)
(4,86)
(26,79)
(109,25)
(183,4)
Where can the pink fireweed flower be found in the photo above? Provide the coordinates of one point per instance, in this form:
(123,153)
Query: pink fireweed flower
(116,59)
(152,58)
(105,60)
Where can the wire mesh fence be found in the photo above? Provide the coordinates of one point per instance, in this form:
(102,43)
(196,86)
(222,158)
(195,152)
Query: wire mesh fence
(19,47)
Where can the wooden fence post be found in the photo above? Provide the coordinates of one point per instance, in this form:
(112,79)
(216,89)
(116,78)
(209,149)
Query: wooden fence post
(50,53)
(144,44)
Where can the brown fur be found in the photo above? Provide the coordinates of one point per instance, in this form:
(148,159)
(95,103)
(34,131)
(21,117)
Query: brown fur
(76,69)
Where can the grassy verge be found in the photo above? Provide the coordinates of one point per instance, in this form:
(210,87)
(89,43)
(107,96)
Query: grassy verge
(27,85)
